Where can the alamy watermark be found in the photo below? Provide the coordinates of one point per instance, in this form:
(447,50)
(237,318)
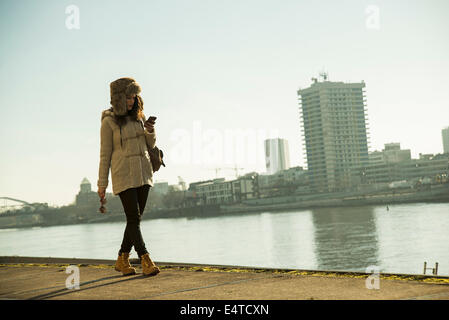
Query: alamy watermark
(73,280)
(373,281)
(372,21)
(72,21)
(211,146)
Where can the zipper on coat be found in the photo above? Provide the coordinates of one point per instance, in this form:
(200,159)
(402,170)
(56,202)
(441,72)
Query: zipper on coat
(120,136)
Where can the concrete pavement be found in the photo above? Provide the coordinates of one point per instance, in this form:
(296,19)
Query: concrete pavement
(45,278)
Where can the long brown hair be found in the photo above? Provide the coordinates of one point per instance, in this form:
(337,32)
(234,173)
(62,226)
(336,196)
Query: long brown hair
(136,112)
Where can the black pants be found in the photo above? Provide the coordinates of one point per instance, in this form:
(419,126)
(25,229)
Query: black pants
(133,201)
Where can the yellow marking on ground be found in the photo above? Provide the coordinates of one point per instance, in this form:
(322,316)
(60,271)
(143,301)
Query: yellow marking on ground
(418,278)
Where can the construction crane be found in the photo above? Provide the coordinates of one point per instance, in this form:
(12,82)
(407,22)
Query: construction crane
(236,170)
(233,168)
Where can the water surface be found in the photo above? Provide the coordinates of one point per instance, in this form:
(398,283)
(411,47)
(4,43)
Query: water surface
(398,240)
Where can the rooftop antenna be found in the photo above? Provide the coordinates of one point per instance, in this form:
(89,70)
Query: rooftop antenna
(323,75)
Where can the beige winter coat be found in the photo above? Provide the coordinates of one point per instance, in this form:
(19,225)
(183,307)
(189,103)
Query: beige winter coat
(128,159)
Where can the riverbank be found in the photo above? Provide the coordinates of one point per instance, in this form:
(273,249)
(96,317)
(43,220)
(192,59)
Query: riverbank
(431,194)
(39,278)
(434,194)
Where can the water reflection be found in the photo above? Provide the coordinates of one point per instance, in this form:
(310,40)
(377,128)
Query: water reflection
(288,239)
(345,238)
(283,240)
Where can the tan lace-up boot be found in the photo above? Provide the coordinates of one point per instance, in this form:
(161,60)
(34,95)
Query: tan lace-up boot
(148,266)
(122,265)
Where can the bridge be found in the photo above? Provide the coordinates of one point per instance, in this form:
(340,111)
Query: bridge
(20,205)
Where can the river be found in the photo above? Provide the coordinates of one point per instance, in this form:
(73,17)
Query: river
(397,240)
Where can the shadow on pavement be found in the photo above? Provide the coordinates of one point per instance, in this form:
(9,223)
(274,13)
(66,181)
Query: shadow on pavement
(65,291)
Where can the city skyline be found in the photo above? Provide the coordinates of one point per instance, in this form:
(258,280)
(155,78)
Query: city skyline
(229,66)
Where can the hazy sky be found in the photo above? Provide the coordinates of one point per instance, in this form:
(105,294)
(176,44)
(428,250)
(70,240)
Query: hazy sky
(207,69)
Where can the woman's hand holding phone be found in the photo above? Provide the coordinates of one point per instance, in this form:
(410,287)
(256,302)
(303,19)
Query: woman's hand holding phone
(149,124)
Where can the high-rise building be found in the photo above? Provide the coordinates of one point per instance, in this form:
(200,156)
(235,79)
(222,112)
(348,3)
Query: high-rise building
(277,155)
(335,132)
(445,134)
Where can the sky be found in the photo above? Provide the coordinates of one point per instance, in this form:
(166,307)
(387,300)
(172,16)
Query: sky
(221,76)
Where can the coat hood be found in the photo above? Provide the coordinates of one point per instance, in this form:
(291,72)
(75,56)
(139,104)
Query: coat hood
(107,113)
(110,113)
(120,88)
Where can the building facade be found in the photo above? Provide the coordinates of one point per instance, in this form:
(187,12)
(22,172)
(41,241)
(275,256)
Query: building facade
(445,135)
(294,178)
(277,155)
(391,153)
(220,191)
(86,197)
(434,168)
(334,128)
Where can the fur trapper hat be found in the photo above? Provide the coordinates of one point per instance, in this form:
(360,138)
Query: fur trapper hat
(121,88)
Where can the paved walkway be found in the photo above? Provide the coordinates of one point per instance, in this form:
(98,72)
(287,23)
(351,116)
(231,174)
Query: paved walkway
(45,278)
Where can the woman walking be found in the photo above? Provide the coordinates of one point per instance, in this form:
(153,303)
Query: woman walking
(125,138)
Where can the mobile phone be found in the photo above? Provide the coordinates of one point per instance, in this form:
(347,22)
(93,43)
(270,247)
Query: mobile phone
(152,119)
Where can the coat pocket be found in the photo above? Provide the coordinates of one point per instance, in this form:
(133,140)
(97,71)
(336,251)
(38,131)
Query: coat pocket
(118,166)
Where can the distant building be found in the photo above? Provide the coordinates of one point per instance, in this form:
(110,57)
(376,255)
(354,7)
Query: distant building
(245,187)
(86,197)
(213,191)
(277,155)
(160,187)
(376,157)
(335,132)
(295,176)
(445,134)
(427,166)
(391,153)
(219,191)
(85,186)
(175,187)
(426,156)
(433,167)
